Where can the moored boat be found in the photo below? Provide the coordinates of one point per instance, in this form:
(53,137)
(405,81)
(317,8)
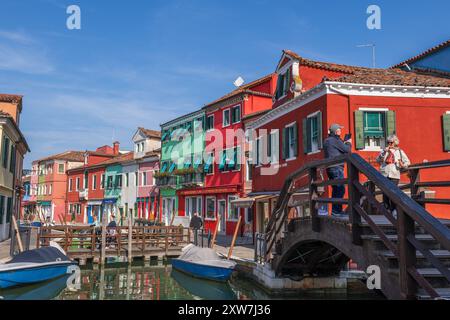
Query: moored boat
(35,266)
(204,263)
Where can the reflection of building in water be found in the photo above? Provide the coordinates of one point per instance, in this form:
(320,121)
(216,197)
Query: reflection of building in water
(135,283)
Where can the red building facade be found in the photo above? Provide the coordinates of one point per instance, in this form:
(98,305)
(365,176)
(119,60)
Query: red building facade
(225,166)
(85,188)
(369,103)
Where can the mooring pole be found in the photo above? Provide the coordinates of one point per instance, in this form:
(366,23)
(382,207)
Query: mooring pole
(234,237)
(130,239)
(103,251)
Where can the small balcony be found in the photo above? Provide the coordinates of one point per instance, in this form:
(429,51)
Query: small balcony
(192,179)
(168,181)
(83,194)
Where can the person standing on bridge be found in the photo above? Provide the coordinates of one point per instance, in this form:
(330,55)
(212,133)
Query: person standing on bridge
(334,147)
(392,160)
(196,224)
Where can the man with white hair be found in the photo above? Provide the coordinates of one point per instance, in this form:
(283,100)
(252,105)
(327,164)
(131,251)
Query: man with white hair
(392,159)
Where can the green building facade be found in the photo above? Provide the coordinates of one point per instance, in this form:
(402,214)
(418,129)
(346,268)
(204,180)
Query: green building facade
(182,145)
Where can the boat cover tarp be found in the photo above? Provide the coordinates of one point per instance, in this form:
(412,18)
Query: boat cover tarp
(41,255)
(197,254)
(205,256)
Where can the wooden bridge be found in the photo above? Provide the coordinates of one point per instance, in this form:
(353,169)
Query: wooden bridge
(411,247)
(84,243)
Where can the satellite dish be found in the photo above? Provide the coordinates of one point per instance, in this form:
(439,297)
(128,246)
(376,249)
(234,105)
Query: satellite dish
(238,82)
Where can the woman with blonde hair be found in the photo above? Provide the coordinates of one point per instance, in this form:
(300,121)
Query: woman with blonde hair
(392,160)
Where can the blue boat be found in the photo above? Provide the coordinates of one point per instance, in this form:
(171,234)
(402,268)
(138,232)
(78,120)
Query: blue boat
(39,291)
(204,289)
(204,263)
(34,266)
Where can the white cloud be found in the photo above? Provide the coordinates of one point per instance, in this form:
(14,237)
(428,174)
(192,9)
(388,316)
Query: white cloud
(21,53)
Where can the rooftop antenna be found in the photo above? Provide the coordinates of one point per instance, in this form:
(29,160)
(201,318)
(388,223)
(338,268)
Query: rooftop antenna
(373,51)
(238,82)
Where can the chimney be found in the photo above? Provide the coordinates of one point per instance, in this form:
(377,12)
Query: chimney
(116,145)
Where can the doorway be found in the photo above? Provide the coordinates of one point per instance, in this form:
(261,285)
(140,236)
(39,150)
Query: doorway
(221,211)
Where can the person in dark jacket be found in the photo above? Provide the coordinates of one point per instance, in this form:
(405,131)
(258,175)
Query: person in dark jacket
(196,224)
(334,147)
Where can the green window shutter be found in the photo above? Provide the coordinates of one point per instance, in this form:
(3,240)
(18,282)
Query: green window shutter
(305,135)
(277,93)
(319,128)
(284,142)
(359,129)
(446,130)
(295,140)
(390,123)
(288,80)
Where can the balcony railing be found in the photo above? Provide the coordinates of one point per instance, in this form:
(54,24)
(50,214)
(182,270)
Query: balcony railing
(192,178)
(83,194)
(166,181)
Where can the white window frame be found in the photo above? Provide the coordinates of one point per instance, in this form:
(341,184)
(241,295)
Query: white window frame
(64,168)
(215,208)
(312,115)
(70,185)
(229,207)
(372,148)
(223,117)
(212,116)
(289,158)
(77,182)
(240,113)
(212,163)
(94,182)
(275,146)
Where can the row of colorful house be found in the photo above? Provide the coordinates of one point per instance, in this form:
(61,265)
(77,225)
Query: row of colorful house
(78,185)
(230,158)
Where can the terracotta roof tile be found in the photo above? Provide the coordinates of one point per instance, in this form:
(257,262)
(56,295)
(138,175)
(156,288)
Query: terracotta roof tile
(151,133)
(324,65)
(244,89)
(393,77)
(76,156)
(423,54)
(12,98)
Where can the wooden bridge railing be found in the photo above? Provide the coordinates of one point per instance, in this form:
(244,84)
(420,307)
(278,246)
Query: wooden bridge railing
(78,239)
(362,180)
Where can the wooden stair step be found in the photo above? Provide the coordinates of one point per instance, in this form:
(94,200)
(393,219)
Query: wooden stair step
(430,272)
(394,237)
(443,292)
(382,221)
(444,254)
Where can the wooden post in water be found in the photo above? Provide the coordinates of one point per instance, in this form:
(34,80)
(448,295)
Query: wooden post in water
(103,251)
(215,232)
(234,237)
(16,229)
(130,239)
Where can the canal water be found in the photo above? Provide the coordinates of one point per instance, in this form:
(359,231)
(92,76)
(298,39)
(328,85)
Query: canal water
(158,282)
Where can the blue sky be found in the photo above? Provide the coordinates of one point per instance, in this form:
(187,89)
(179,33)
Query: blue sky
(141,63)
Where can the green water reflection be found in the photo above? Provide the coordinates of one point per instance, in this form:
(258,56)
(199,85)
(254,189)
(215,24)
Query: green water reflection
(139,282)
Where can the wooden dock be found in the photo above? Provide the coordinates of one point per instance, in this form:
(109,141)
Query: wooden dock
(84,243)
